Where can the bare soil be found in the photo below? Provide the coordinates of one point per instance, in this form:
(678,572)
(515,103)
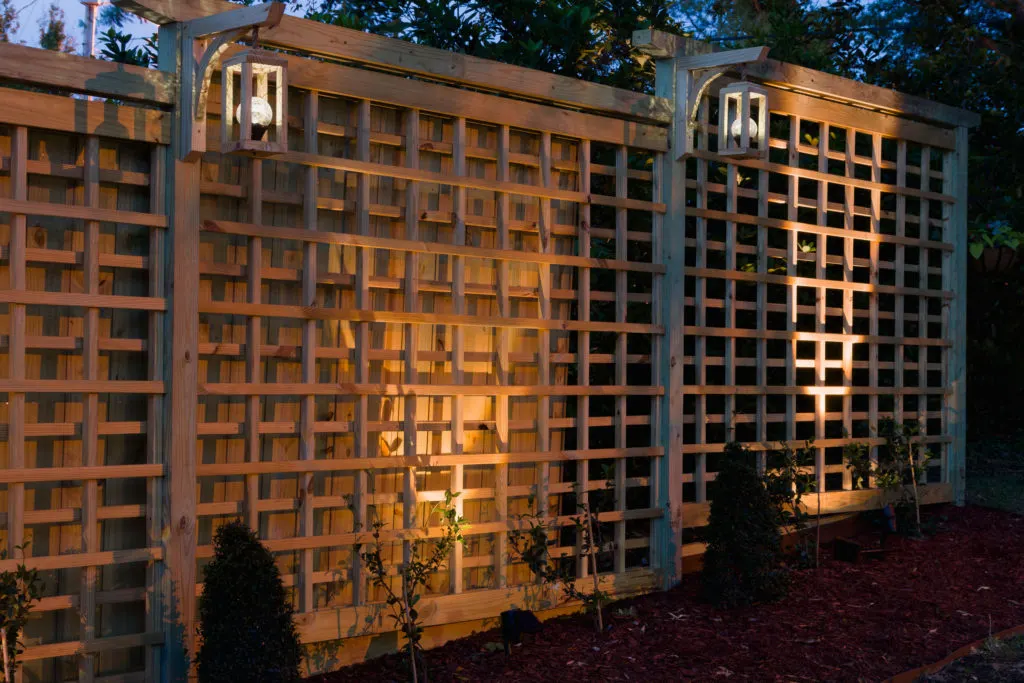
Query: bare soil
(844,622)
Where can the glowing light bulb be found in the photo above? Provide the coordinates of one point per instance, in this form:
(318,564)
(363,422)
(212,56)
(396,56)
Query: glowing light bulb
(260,114)
(737,128)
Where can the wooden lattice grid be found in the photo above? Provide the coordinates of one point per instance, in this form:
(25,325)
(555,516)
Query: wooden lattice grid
(82,221)
(445,325)
(817,291)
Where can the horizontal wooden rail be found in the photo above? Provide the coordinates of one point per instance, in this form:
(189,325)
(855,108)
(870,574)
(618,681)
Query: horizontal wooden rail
(810,336)
(816,443)
(355,315)
(41,474)
(422,247)
(85,117)
(812,229)
(73,648)
(834,502)
(404,173)
(341,389)
(847,181)
(81,386)
(85,213)
(815,282)
(73,560)
(317,38)
(434,97)
(362,463)
(741,390)
(109,301)
(83,74)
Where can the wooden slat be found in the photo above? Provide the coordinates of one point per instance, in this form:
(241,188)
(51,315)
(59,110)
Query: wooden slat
(317,38)
(86,213)
(326,389)
(90,408)
(106,119)
(423,247)
(412,305)
(956,229)
(790,76)
(16,348)
(371,168)
(503,375)
(442,99)
(96,77)
(366,316)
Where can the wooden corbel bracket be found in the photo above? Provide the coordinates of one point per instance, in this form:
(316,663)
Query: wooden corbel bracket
(204,40)
(694,76)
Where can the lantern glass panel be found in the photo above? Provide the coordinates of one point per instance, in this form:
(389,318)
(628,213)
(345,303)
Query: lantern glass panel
(743,120)
(254,104)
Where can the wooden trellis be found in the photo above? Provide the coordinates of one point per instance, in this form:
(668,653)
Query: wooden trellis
(461,276)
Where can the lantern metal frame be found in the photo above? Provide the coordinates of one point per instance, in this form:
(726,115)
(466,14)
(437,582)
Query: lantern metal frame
(257,69)
(736,102)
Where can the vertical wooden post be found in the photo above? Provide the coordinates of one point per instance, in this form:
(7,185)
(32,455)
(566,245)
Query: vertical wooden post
(458,336)
(412,305)
(307,438)
(253,342)
(181,365)
(360,496)
(669,251)
(16,350)
(621,254)
(501,406)
(543,335)
(583,349)
(155,511)
(90,408)
(955,232)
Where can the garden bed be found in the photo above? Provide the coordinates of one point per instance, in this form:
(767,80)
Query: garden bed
(863,622)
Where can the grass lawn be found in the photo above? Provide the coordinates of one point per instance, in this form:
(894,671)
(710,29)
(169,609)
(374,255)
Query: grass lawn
(999,661)
(995,474)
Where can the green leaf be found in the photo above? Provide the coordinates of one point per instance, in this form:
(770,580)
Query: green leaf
(976,249)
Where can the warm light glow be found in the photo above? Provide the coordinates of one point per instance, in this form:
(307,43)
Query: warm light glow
(261,115)
(737,128)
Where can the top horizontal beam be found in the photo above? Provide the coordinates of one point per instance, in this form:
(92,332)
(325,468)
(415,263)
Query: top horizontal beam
(316,38)
(91,76)
(662,45)
(714,60)
(267,15)
(821,84)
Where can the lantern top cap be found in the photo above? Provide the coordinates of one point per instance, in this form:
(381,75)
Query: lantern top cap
(255,55)
(743,86)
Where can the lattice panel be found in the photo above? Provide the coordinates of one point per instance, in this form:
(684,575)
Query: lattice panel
(372,334)
(817,291)
(81,281)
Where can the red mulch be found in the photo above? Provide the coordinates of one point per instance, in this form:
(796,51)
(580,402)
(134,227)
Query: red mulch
(846,622)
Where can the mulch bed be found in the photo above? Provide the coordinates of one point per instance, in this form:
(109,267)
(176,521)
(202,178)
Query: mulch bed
(864,622)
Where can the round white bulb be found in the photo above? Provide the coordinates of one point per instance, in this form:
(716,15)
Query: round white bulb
(737,128)
(260,114)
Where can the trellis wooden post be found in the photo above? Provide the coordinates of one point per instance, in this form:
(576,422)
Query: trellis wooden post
(669,249)
(955,232)
(181,366)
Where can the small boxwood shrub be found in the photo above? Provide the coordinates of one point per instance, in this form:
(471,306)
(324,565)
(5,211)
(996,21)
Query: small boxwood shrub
(743,562)
(245,617)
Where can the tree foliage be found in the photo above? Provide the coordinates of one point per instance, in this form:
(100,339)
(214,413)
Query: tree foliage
(8,21)
(53,33)
(586,39)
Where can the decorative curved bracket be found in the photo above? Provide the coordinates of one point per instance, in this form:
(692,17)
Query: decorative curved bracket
(694,76)
(204,41)
(207,65)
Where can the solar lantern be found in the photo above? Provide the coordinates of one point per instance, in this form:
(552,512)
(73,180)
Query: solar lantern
(254,104)
(743,120)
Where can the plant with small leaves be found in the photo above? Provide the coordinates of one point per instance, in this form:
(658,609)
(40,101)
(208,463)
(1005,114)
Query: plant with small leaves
(528,543)
(245,616)
(898,470)
(743,560)
(116,47)
(414,575)
(789,476)
(19,589)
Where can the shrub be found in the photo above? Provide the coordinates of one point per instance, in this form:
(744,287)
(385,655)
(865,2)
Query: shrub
(18,590)
(742,563)
(245,616)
